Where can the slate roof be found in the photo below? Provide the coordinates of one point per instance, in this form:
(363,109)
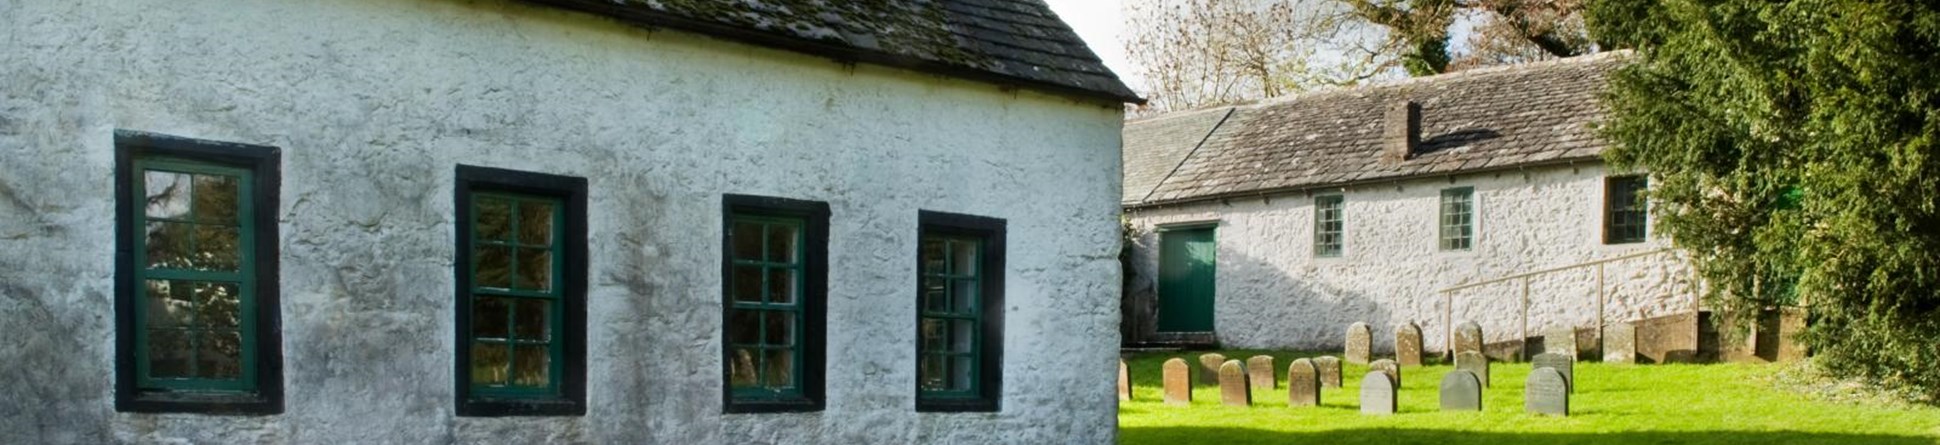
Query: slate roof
(1008,42)
(1484,119)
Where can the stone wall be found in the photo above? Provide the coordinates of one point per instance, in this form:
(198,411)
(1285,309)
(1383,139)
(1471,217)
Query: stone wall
(373,102)
(1272,292)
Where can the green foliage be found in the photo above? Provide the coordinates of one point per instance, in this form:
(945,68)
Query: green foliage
(1792,149)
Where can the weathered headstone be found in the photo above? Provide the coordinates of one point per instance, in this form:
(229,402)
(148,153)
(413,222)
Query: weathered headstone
(1547,392)
(1209,368)
(1377,394)
(1233,390)
(1475,363)
(1329,371)
(1259,369)
(1389,367)
(1124,382)
(1560,340)
(1468,337)
(1303,383)
(1178,382)
(1359,340)
(1620,343)
(1461,391)
(1407,345)
(1562,364)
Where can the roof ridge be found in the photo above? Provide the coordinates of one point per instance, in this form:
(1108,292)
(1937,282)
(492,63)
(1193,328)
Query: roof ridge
(1411,81)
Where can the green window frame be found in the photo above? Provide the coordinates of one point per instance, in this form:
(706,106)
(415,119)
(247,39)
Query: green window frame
(196,298)
(1626,218)
(773,295)
(959,323)
(520,273)
(1329,225)
(1457,219)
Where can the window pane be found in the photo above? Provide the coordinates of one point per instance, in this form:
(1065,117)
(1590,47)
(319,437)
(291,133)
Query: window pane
(169,304)
(530,320)
(168,354)
(532,362)
(490,361)
(489,317)
(744,327)
(747,283)
(218,305)
(494,267)
(936,297)
(535,269)
(781,243)
(221,355)
(961,368)
(781,286)
(741,371)
(494,219)
(781,328)
(963,257)
(215,199)
(780,365)
(746,240)
(932,258)
(933,373)
(535,222)
(963,334)
(964,296)
(934,335)
(168,194)
(217,248)
(168,245)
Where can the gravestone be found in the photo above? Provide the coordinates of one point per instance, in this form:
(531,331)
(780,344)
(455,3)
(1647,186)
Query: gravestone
(1562,364)
(1407,345)
(1547,392)
(1259,370)
(1387,366)
(1560,340)
(1178,382)
(1124,383)
(1620,343)
(1468,337)
(1329,367)
(1233,390)
(1475,363)
(1359,339)
(1209,368)
(1377,394)
(1303,383)
(1461,391)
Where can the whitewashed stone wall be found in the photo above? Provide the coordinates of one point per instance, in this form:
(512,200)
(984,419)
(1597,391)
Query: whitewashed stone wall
(1271,291)
(374,101)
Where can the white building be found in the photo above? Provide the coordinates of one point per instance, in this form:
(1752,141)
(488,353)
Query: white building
(1276,225)
(555,221)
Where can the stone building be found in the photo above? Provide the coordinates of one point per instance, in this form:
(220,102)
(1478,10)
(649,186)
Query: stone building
(1276,225)
(555,221)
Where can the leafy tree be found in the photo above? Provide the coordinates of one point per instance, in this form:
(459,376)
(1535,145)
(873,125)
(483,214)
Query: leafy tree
(1792,149)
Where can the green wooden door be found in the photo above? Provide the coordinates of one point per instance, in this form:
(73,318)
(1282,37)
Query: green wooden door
(1186,269)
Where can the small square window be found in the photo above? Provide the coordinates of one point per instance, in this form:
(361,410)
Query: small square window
(1457,219)
(521,294)
(774,253)
(1625,219)
(1328,225)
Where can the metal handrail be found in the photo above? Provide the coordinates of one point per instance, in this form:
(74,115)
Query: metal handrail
(1448,294)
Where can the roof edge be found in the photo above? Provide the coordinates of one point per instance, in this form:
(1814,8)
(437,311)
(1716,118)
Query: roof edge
(1283,190)
(839,53)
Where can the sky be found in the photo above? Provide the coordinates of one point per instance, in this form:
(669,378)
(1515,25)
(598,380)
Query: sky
(1099,22)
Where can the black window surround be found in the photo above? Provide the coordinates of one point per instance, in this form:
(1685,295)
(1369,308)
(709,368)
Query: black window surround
(991,358)
(264,163)
(814,300)
(571,399)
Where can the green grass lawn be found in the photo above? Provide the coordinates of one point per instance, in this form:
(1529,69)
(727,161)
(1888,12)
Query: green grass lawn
(1613,404)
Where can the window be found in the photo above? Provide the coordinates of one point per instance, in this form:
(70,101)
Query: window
(1327,225)
(1458,219)
(196,276)
(773,289)
(1624,219)
(960,313)
(521,293)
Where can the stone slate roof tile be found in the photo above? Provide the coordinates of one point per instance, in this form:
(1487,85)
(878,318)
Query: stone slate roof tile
(1488,118)
(1008,42)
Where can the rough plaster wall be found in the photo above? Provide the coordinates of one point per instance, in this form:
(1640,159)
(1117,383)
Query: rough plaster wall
(1272,293)
(374,101)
